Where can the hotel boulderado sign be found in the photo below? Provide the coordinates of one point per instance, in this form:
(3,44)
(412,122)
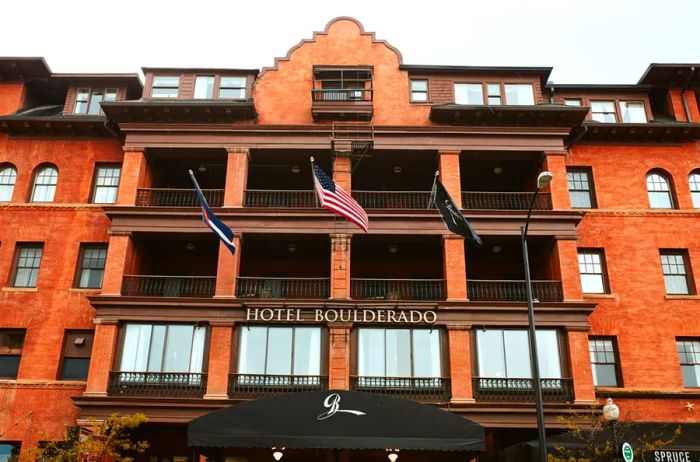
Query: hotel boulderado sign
(368,316)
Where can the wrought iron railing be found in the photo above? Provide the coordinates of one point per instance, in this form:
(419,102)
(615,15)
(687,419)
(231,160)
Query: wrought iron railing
(498,389)
(168,286)
(514,290)
(157,384)
(254,385)
(342,94)
(393,199)
(255,287)
(283,199)
(486,200)
(397,289)
(171,197)
(418,388)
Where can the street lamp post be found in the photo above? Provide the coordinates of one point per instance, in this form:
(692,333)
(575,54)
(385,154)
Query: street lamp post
(611,413)
(543,179)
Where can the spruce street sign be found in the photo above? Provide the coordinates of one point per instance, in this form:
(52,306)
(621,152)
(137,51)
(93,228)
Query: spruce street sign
(627,452)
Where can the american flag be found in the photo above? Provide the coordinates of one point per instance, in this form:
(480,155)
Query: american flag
(333,197)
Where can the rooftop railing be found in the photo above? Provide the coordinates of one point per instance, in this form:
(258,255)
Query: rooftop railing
(168,286)
(255,385)
(513,290)
(281,199)
(417,388)
(481,200)
(259,287)
(180,197)
(393,199)
(397,289)
(157,384)
(520,390)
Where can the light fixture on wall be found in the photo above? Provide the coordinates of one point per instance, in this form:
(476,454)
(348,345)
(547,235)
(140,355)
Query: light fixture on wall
(496,249)
(292,247)
(190,246)
(296,169)
(497,170)
(393,456)
(202,167)
(393,248)
(397,169)
(277,453)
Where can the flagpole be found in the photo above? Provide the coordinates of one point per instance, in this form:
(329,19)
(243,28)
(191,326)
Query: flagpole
(432,190)
(313,180)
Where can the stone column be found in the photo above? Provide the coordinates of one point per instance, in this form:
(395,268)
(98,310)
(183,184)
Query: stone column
(135,174)
(227,269)
(460,364)
(219,359)
(102,358)
(339,356)
(236,176)
(555,162)
(340,266)
(450,175)
(580,363)
(455,268)
(119,258)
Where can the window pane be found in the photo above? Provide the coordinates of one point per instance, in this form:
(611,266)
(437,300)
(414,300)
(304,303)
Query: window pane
(572,102)
(204,87)
(398,353)
(426,353)
(45,185)
(95,100)
(633,112)
(197,355)
(107,185)
(580,199)
(164,93)
(28,263)
(137,340)
(659,191)
(9,452)
(691,376)
(232,93)
(603,111)
(371,353)
(166,81)
(178,349)
(110,95)
(604,375)
(491,355)
(279,351)
(234,82)
(419,85)
(676,285)
(592,284)
(419,96)
(469,93)
(307,351)
(548,354)
(520,94)
(157,347)
(75,368)
(251,358)
(8,176)
(92,267)
(517,353)
(9,366)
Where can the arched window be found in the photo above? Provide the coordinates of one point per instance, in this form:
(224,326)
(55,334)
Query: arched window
(659,189)
(694,182)
(8,175)
(45,184)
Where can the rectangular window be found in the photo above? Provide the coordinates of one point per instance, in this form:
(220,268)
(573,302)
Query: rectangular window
(9,451)
(675,269)
(88,101)
(592,268)
(106,184)
(110,94)
(572,102)
(280,351)
(11,344)
(604,362)
(603,111)
(399,353)
(469,93)
(28,260)
(419,91)
(519,94)
(76,355)
(165,86)
(581,193)
(689,355)
(82,97)
(633,112)
(505,353)
(204,87)
(493,92)
(232,87)
(163,348)
(92,266)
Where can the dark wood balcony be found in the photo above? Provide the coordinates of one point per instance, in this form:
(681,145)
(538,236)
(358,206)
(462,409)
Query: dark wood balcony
(258,287)
(513,290)
(482,200)
(520,390)
(168,286)
(416,388)
(157,384)
(393,199)
(280,199)
(397,289)
(352,103)
(171,197)
(245,386)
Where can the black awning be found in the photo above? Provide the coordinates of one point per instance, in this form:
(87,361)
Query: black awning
(335,420)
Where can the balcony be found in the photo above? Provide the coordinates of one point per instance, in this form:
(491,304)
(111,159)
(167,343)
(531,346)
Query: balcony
(479,200)
(342,93)
(514,290)
(416,388)
(397,289)
(157,384)
(520,390)
(264,287)
(279,199)
(177,197)
(393,199)
(247,386)
(168,286)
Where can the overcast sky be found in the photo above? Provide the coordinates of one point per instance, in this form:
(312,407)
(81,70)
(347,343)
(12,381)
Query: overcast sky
(592,41)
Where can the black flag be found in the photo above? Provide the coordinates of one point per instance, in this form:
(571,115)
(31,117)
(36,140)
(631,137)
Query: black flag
(451,214)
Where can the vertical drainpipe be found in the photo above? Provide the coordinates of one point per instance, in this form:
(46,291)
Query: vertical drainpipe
(683,95)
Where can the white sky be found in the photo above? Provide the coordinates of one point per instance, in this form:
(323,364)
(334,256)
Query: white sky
(592,41)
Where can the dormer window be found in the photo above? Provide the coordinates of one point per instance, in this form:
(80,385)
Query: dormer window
(633,112)
(603,111)
(342,84)
(232,87)
(87,101)
(204,87)
(165,86)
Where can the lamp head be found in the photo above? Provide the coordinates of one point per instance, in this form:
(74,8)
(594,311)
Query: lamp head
(611,412)
(277,454)
(543,179)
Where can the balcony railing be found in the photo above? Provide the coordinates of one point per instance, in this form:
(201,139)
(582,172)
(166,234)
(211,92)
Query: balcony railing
(255,385)
(521,390)
(397,289)
(283,199)
(283,287)
(481,200)
(514,290)
(418,388)
(393,199)
(170,197)
(342,94)
(157,384)
(168,286)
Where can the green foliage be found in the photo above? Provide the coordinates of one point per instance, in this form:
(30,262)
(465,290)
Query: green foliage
(109,441)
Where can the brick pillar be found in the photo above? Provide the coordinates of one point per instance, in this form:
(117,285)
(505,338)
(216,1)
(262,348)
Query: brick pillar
(677,106)
(228,268)
(566,268)
(460,364)
(340,266)
(119,258)
(102,357)
(135,174)
(339,356)
(219,360)
(555,162)
(450,175)
(580,363)
(455,268)
(342,172)
(236,176)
